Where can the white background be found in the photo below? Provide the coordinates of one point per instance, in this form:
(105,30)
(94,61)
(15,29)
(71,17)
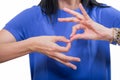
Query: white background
(18,69)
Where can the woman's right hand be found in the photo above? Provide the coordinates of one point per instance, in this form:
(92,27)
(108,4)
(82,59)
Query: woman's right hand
(47,45)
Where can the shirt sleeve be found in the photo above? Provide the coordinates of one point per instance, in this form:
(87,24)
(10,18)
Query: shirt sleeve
(110,17)
(18,25)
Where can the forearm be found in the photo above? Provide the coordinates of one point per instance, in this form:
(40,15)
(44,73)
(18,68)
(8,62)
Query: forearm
(13,50)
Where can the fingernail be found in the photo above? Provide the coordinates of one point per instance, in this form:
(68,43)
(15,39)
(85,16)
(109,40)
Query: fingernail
(58,18)
(71,35)
(79,60)
(75,68)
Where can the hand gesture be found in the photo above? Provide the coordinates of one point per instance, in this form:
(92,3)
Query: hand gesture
(47,45)
(92,30)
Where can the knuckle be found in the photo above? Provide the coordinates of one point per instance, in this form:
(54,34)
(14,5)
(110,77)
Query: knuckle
(63,37)
(53,48)
(72,19)
(50,49)
(67,49)
(69,58)
(52,54)
(73,28)
(66,58)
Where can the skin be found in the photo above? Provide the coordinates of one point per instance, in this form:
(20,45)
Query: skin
(71,4)
(92,30)
(10,49)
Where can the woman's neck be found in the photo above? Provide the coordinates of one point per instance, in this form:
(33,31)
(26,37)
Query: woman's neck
(71,4)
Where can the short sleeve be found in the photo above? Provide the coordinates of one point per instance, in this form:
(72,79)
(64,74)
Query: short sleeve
(18,25)
(110,17)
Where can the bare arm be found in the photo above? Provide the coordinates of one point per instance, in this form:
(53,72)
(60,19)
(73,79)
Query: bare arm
(10,49)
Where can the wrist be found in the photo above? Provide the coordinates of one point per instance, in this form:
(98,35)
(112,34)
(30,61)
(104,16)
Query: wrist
(110,34)
(30,44)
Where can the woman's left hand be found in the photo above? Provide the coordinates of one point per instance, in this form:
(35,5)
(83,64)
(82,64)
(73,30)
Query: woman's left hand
(92,30)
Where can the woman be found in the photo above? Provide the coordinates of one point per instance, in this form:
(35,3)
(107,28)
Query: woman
(36,31)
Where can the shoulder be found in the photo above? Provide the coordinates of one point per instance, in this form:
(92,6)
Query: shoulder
(104,12)
(30,13)
(108,16)
(108,11)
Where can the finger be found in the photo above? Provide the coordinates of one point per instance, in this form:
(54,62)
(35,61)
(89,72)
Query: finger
(68,64)
(76,14)
(78,36)
(71,19)
(61,38)
(66,58)
(63,49)
(83,11)
(75,29)
(71,65)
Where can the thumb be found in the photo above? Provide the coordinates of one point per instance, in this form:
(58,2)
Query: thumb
(77,36)
(63,49)
(61,38)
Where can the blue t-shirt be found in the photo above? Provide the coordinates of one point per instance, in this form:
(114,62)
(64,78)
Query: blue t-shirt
(94,54)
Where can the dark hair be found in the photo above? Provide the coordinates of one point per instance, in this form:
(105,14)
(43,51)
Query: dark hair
(50,7)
